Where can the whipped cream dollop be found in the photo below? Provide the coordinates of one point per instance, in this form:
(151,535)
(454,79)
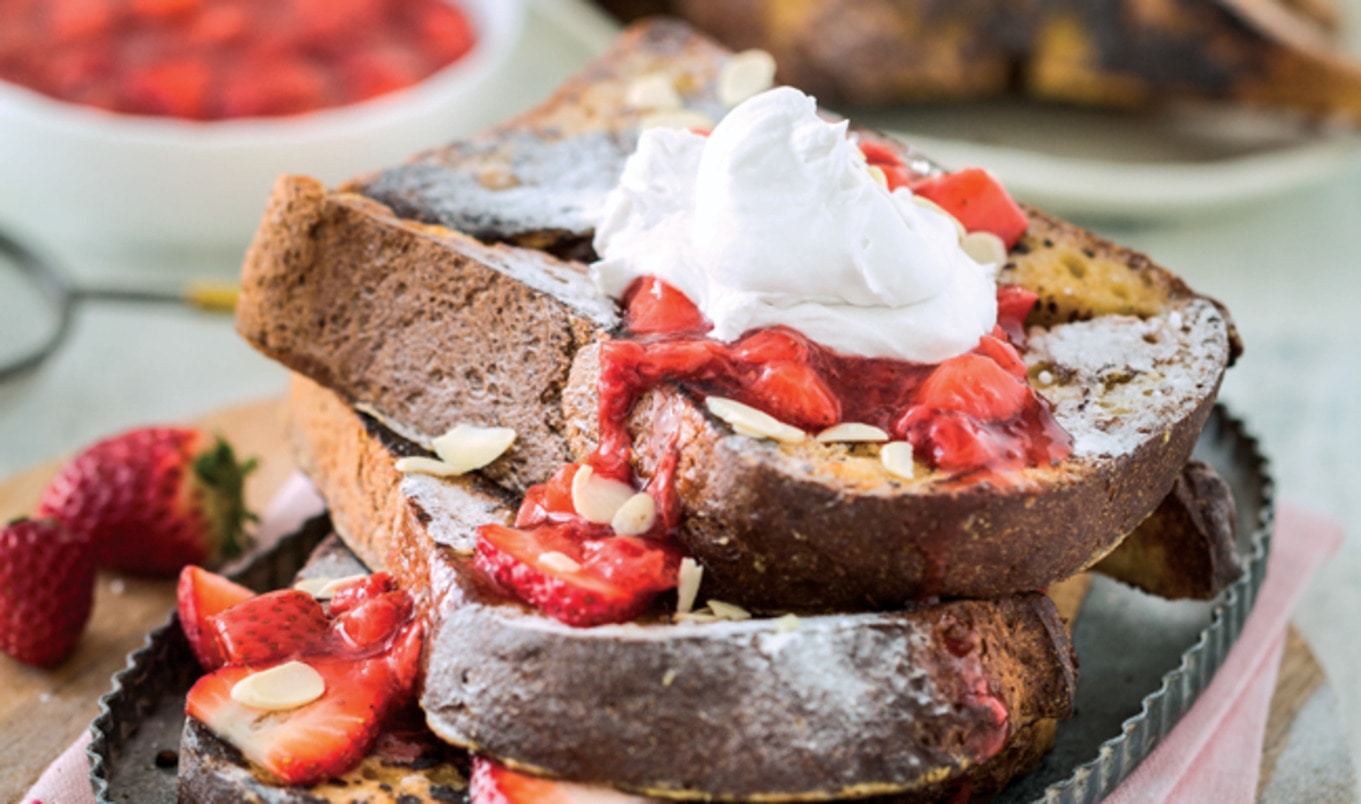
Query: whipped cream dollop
(774,219)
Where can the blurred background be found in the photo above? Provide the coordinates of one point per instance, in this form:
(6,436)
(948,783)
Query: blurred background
(139,139)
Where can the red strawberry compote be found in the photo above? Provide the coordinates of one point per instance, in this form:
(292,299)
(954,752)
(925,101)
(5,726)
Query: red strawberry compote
(778,267)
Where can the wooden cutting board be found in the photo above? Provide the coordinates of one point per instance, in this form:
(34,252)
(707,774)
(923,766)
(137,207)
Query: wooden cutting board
(43,711)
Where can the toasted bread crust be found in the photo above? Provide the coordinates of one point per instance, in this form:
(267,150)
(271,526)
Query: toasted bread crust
(506,681)
(1191,534)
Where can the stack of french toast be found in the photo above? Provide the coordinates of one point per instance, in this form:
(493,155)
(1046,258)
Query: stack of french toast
(652,561)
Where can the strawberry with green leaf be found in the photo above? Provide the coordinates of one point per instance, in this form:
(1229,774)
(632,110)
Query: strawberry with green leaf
(154,499)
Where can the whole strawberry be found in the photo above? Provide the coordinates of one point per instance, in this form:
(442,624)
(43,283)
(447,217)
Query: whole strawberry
(47,580)
(154,499)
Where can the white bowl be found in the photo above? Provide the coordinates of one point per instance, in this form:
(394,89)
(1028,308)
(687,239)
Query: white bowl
(76,173)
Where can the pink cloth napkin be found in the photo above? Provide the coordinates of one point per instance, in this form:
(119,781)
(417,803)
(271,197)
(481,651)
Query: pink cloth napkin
(1212,755)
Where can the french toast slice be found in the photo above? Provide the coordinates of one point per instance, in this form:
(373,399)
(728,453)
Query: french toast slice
(425,327)
(915,702)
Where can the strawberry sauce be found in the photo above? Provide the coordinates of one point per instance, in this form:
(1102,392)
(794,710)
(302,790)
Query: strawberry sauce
(972,417)
(203,60)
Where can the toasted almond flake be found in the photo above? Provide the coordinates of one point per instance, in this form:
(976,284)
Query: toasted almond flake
(877,173)
(677,118)
(751,422)
(312,586)
(786,623)
(668,677)
(421,465)
(287,686)
(467,447)
(985,248)
(728,611)
(687,584)
(897,459)
(635,516)
(598,499)
(852,431)
(926,203)
(329,590)
(652,91)
(558,562)
(745,74)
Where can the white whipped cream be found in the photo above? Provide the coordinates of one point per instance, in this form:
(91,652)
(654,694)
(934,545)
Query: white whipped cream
(774,219)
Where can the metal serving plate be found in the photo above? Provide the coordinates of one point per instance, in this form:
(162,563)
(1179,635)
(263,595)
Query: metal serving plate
(1126,701)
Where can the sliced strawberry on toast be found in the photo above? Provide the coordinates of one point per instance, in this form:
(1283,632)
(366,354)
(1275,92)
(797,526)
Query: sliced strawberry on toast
(494,783)
(270,627)
(580,582)
(202,594)
(313,742)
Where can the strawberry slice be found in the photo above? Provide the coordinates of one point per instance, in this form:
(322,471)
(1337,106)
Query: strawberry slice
(978,200)
(270,627)
(793,393)
(200,595)
(1014,304)
(975,385)
(313,742)
(494,783)
(955,442)
(997,348)
(360,590)
(882,156)
(373,622)
(651,306)
(614,578)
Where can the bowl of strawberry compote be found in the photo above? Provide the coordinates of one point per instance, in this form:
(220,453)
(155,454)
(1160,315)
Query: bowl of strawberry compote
(165,122)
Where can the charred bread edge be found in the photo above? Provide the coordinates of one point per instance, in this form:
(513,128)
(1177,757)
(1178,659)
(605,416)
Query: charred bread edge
(142,682)
(1038,686)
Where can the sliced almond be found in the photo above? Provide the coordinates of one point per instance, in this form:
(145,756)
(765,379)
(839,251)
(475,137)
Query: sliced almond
(852,431)
(728,611)
(745,74)
(787,623)
(468,447)
(877,173)
(559,562)
(985,248)
(329,590)
(287,686)
(421,465)
(324,588)
(751,422)
(635,516)
(312,586)
(926,203)
(687,585)
(896,456)
(598,499)
(652,91)
(677,118)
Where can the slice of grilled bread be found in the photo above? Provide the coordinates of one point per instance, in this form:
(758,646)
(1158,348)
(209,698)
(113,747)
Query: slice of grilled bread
(915,701)
(426,328)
